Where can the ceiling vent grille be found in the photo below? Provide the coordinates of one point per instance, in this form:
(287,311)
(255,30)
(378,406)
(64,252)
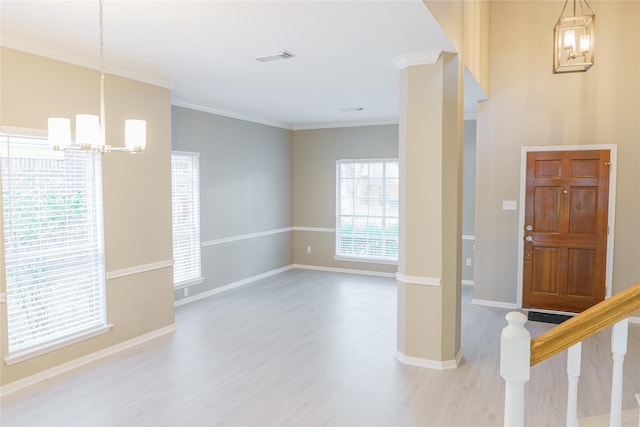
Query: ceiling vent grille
(274,57)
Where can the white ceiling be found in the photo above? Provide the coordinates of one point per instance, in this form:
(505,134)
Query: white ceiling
(203,51)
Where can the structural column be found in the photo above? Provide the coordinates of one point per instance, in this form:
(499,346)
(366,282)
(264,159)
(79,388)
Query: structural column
(430,154)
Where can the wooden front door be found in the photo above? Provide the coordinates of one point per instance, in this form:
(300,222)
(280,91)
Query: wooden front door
(565,247)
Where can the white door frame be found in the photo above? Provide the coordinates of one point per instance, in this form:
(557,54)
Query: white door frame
(613,149)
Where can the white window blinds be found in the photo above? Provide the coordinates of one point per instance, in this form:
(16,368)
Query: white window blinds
(185,194)
(367,209)
(54,245)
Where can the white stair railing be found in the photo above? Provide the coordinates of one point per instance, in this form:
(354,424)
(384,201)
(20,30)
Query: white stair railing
(574,359)
(515,352)
(619,349)
(516,362)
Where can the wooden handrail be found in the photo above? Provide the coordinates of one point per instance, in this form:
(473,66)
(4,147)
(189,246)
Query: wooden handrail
(586,324)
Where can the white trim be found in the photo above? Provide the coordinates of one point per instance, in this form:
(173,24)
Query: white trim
(16,130)
(467,282)
(418,280)
(613,158)
(420,58)
(233,285)
(318,229)
(84,360)
(431,364)
(185,153)
(21,356)
(187,283)
(335,125)
(230,114)
(293,127)
(496,304)
(470,116)
(468,237)
(83,62)
(139,269)
(635,320)
(365,260)
(245,236)
(344,270)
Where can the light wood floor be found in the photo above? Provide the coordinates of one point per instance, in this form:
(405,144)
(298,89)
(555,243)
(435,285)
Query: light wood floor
(311,348)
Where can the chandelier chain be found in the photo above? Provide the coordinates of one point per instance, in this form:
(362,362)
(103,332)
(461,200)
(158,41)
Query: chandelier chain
(101,40)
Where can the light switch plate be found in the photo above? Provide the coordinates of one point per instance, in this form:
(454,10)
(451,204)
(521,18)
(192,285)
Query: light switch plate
(509,205)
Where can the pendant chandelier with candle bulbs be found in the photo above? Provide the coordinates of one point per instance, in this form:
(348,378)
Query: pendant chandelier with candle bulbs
(90,132)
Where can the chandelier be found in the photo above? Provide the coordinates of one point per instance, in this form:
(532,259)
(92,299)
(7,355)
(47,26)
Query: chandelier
(574,38)
(90,129)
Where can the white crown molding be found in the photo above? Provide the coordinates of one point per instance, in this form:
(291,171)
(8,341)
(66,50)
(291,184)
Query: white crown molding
(84,360)
(139,269)
(333,125)
(418,280)
(418,58)
(427,363)
(229,114)
(58,55)
(309,126)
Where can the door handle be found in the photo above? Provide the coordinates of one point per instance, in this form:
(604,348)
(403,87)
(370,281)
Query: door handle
(529,239)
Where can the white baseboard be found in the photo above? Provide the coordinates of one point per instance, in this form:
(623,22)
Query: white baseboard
(344,270)
(496,304)
(467,282)
(431,364)
(252,279)
(84,360)
(233,285)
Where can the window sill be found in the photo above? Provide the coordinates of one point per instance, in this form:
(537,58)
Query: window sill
(188,283)
(20,356)
(367,260)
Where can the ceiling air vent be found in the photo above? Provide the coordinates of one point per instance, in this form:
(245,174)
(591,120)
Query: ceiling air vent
(274,57)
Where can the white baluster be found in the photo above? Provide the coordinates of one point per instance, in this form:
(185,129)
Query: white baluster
(574,356)
(619,349)
(515,354)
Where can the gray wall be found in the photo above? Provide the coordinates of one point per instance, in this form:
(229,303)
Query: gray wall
(314,186)
(256,178)
(468,200)
(245,188)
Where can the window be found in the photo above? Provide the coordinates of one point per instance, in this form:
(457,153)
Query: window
(185,195)
(367,209)
(53,242)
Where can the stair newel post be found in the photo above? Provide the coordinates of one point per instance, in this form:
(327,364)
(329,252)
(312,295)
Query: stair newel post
(618,349)
(515,354)
(574,356)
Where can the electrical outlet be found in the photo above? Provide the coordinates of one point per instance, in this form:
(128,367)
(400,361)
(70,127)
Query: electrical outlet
(308,249)
(468,262)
